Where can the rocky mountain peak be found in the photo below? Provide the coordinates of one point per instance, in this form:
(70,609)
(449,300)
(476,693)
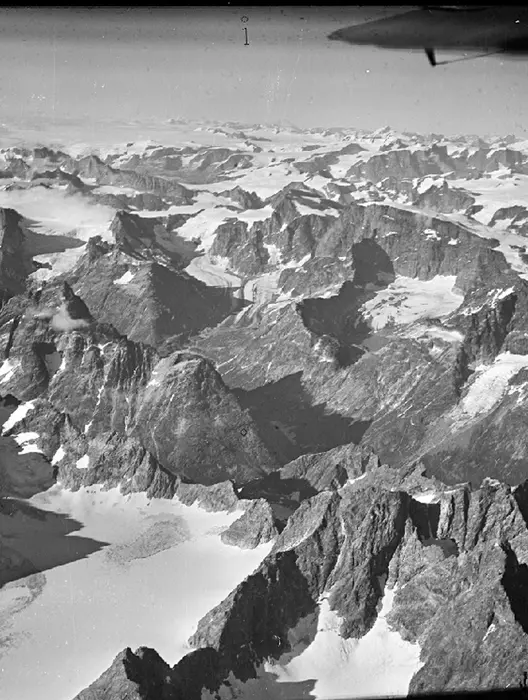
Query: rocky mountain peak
(74,305)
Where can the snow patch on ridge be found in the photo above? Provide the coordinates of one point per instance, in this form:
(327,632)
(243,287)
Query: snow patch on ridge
(6,371)
(83,462)
(490,384)
(126,278)
(18,414)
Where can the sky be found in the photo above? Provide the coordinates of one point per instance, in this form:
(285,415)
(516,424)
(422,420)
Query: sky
(89,66)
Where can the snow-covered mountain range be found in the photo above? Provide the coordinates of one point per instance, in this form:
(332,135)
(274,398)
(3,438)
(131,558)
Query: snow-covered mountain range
(263,396)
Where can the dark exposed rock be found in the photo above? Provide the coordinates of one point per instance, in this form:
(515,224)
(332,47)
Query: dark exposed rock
(132,676)
(15,258)
(254,527)
(107,384)
(142,238)
(93,167)
(247,200)
(75,306)
(146,301)
(444,199)
(403,164)
(216,497)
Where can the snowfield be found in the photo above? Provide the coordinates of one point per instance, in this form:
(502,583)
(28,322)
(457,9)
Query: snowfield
(380,663)
(406,300)
(493,193)
(489,384)
(150,570)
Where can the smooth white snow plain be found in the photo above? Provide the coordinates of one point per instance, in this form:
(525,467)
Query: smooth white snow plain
(161,568)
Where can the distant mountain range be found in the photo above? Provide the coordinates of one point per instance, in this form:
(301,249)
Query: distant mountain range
(325,329)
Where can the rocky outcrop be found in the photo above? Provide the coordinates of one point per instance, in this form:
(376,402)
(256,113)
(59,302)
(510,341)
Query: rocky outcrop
(58,175)
(15,258)
(101,384)
(403,164)
(143,238)
(419,246)
(515,218)
(456,565)
(444,199)
(92,167)
(245,251)
(142,675)
(247,200)
(256,526)
(145,300)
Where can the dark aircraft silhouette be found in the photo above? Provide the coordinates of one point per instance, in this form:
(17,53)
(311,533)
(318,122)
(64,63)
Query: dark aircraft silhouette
(453,27)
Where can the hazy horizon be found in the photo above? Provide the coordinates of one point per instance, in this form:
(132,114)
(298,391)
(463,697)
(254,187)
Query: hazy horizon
(67,66)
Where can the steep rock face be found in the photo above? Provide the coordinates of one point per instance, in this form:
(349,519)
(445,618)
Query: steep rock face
(332,469)
(299,237)
(132,676)
(444,199)
(15,259)
(143,238)
(146,301)
(93,167)
(245,252)
(256,526)
(419,246)
(104,383)
(504,158)
(292,229)
(215,435)
(252,623)
(470,591)
(485,332)
(403,164)
(310,474)
(315,277)
(247,200)
(515,218)
(402,387)
(58,175)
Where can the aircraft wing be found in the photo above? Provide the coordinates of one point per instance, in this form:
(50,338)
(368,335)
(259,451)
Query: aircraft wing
(489,28)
